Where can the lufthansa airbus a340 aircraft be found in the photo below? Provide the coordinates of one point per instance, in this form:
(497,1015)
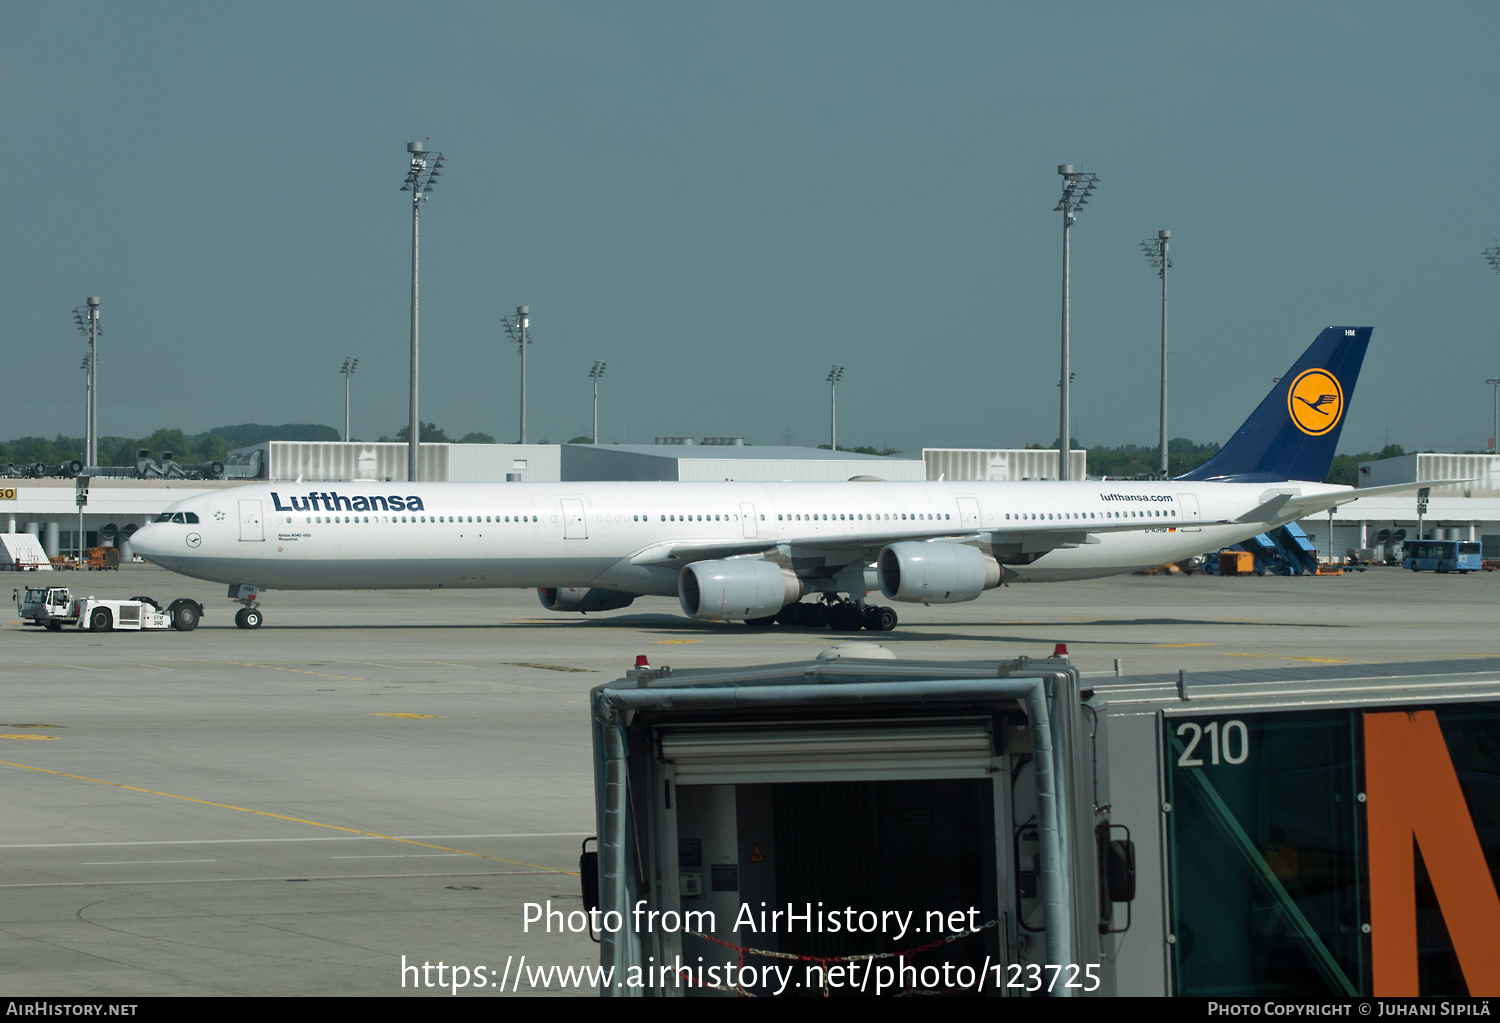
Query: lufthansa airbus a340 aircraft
(752,551)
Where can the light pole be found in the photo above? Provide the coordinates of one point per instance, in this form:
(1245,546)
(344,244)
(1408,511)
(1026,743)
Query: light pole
(594,375)
(1495,427)
(518,327)
(420,178)
(88,410)
(1077,187)
(87,320)
(1157,255)
(1492,257)
(834,376)
(348,370)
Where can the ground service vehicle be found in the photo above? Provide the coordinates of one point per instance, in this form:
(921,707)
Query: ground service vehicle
(1017,828)
(44,605)
(1443,556)
(53,607)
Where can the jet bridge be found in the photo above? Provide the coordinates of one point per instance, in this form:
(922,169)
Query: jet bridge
(879,826)
(872,824)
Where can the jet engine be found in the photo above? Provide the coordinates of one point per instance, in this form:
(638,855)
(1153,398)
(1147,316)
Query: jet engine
(936,573)
(576,598)
(735,590)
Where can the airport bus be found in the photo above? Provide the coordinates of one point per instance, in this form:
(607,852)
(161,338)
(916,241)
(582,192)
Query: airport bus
(1443,556)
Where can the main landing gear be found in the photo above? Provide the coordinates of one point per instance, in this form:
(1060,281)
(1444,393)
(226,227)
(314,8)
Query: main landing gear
(840,616)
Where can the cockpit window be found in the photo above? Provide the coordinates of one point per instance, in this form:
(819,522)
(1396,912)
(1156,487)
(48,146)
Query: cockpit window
(190,516)
(164,517)
(178,518)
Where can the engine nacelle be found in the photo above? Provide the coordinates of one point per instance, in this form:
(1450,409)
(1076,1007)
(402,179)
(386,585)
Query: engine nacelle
(735,590)
(576,598)
(936,573)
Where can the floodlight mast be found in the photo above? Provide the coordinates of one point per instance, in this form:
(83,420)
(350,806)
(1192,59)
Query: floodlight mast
(86,318)
(350,362)
(1492,257)
(834,375)
(594,375)
(1495,427)
(518,328)
(1158,256)
(88,391)
(1077,187)
(420,178)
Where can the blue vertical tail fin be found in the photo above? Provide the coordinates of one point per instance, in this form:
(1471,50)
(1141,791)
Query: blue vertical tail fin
(1294,432)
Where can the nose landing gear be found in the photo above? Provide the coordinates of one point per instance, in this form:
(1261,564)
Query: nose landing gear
(249,616)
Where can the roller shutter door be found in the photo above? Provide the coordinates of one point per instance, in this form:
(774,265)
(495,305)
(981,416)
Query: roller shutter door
(861,750)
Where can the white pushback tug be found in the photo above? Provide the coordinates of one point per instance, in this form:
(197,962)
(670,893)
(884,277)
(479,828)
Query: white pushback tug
(53,607)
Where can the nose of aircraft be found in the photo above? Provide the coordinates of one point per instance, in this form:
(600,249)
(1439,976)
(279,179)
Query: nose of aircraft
(147,541)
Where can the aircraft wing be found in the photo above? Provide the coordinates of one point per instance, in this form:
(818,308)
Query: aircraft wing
(1033,537)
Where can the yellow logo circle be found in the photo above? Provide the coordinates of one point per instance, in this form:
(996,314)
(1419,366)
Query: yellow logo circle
(1315,402)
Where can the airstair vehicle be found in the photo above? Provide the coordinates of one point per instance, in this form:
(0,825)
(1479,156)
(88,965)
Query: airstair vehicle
(861,824)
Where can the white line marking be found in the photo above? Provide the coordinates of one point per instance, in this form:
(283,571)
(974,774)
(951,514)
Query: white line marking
(78,666)
(131,863)
(314,838)
(397,856)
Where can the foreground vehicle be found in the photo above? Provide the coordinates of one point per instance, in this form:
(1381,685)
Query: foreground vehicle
(53,607)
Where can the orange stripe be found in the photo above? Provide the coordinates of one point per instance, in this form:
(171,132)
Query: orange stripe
(1414,796)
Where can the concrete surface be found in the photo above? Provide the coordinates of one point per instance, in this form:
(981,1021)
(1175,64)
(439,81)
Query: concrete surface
(232,812)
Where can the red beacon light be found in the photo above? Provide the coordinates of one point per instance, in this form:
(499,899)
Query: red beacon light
(1060,650)
(641,662)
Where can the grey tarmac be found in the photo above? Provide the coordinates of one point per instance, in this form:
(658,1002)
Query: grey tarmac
(387,773)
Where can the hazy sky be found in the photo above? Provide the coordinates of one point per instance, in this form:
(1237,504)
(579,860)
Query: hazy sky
(722,199)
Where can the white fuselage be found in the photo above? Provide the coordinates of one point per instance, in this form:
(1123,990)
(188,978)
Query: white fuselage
(368,535)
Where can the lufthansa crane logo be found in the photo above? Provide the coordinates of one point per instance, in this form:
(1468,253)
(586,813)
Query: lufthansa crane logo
(1315,402)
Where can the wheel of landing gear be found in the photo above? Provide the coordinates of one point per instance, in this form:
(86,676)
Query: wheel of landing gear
(248,618)
(814,616)
(880,619)
(844,617)
(791,614)
(761,623)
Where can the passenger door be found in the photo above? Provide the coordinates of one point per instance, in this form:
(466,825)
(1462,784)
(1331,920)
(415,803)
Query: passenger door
(250,521)
(747,519)
(1187,509)
(575,524)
